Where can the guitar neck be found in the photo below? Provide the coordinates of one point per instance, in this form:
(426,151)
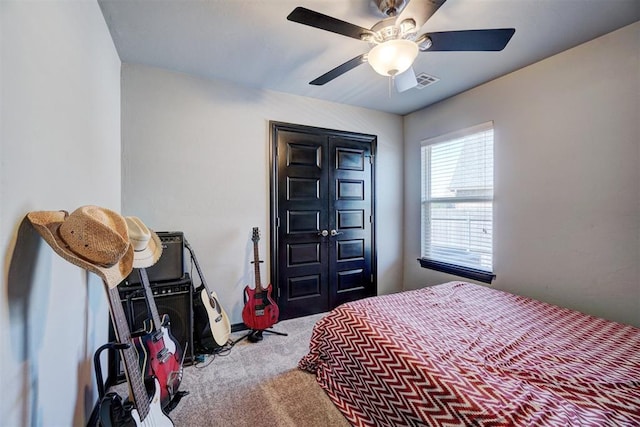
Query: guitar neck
(256,267)
(129,355)
(195,262)
(151,302)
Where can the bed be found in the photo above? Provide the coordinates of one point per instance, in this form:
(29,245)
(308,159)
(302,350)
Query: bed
(463,354)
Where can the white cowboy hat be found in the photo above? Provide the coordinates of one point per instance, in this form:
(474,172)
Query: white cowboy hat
(147,247)
(90,237)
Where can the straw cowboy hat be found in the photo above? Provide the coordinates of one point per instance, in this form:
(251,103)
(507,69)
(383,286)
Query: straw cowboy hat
(90,237)
(147,247)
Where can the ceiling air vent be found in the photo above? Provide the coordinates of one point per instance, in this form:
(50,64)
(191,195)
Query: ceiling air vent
(425,80)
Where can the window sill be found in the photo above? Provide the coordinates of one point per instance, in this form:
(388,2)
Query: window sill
(466,272)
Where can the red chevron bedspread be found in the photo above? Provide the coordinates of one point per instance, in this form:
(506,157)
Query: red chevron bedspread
(462,354)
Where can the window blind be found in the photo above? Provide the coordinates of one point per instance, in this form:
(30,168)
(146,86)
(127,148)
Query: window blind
(457,198)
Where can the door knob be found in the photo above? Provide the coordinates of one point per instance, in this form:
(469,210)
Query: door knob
(323,233)
(335,233)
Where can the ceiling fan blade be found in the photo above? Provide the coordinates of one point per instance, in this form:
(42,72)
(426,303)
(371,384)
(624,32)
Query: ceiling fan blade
(338,71)
(470,40)
(406,80)
(420,11)
(309,17)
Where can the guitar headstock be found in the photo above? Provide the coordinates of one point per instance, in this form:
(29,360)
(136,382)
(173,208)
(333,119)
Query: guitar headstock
(256,235)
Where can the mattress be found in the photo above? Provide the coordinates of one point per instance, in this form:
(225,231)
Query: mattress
(463,354)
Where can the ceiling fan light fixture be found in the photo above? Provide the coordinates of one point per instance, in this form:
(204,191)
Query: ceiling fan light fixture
(393,56)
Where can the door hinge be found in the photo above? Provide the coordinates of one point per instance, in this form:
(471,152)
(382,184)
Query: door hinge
(372,278)
(278,222)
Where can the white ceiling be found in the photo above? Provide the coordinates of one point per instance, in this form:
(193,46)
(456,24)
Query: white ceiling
(251,43)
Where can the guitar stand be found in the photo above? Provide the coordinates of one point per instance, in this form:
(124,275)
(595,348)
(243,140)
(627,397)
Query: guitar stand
(255,335)
(175,400)
(114,346)
(96,363)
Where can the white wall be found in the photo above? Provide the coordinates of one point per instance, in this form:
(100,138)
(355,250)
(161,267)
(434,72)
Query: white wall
(60,146)
(196,159)
(567,176)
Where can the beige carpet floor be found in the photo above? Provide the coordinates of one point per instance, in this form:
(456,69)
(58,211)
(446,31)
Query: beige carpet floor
(257,384)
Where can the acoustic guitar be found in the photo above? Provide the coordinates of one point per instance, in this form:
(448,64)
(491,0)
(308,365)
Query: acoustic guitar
(260,310)
(143,408)
(219,325)
(160,352)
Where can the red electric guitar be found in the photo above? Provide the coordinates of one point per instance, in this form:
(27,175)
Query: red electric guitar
(161,352)
(260,310)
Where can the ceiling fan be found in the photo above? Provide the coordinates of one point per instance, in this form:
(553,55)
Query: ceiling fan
(395,42)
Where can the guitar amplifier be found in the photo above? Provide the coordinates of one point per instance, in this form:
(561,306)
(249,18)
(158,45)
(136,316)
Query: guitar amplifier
(170,266)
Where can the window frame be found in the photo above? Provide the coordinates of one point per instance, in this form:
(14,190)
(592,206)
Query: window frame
(480,275)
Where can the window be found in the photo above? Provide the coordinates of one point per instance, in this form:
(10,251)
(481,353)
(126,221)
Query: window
(457,203)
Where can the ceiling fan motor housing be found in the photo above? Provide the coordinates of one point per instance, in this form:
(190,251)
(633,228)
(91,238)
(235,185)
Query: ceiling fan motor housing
(387,29)
(390,7)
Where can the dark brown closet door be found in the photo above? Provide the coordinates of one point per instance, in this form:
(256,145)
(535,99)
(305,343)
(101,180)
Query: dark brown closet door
(350,239)
(322,228)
